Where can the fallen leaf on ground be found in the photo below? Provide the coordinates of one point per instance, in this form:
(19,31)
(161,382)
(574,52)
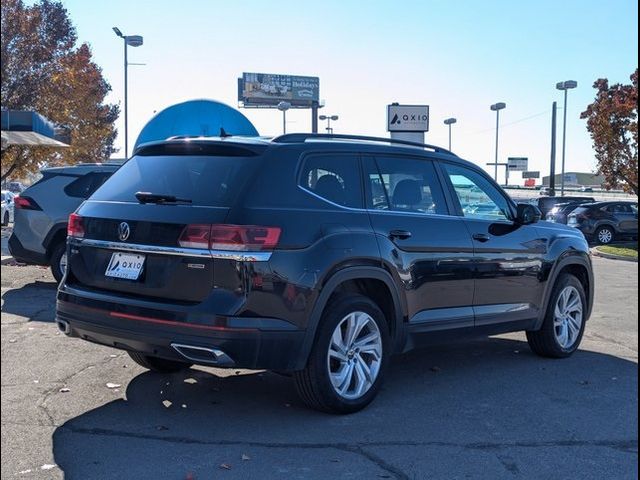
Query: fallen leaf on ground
(113,385)
(245,457)
(47,466)
(225,466)
(167,403)
(64,390)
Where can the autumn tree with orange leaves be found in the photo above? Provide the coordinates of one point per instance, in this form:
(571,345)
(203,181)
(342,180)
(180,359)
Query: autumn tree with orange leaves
(43,70)
(612,121)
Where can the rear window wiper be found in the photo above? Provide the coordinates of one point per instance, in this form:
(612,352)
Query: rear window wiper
(148,197)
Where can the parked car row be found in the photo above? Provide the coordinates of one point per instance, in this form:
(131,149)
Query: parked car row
(602,222)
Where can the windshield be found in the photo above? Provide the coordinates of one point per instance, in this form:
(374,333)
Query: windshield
(203,180)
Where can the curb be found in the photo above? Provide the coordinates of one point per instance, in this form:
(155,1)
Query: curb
(610,256)
(6,260)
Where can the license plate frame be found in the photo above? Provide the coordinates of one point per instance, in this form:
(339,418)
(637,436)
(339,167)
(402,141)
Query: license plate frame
(125,265)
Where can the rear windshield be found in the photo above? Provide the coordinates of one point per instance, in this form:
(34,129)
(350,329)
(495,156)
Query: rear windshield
(580,210)
(205,180)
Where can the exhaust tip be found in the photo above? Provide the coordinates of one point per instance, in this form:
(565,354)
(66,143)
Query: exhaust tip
(63,326)
(211,356)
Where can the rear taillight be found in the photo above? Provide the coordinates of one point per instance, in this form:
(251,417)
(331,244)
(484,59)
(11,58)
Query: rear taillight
(25,203)
(195,236)
(75,227)
(230,237)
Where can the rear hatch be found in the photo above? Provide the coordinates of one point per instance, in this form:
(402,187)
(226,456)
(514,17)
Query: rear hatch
(146,231)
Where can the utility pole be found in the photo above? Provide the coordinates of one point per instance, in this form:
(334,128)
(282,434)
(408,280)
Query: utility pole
(552,167)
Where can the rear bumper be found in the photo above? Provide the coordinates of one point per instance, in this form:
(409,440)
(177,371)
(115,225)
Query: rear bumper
(23,255)
(238,342)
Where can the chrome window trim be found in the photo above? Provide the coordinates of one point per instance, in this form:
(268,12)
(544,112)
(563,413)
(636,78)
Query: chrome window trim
(239,256)
(378,211)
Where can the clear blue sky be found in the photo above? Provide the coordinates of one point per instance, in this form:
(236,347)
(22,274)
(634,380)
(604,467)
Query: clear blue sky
(457,56)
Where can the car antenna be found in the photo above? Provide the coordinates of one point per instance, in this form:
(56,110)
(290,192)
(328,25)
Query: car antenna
(224,134)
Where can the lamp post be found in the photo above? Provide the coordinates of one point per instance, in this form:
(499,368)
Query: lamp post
(449,122)
(328,118)
(133,41)
(566,86)
(283,107)
(496,107)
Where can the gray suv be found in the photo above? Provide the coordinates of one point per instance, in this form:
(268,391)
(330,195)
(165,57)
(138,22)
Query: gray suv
(42,211)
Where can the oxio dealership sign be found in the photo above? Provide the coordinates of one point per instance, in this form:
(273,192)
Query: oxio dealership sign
(407,118)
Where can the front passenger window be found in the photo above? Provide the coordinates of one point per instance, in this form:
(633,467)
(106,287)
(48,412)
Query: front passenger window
(477,196)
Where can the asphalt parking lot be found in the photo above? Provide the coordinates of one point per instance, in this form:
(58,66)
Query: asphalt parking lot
(478,409)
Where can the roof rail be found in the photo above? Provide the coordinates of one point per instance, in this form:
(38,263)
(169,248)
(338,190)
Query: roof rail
(302,137)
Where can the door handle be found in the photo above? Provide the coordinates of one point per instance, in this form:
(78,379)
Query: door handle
(481,237)
(399,234)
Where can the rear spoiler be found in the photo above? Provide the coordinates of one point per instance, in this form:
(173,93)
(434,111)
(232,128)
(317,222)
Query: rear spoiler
(190,146)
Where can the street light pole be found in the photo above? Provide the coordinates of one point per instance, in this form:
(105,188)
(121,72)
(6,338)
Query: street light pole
(566,86)
(496,107)
(134,41)
(449,122)
(328,118)
(283,107)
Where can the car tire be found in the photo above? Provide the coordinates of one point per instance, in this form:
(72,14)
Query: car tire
(157,364)
(561,319)
(5,219)
(365,357)
(605,235)
(57,254)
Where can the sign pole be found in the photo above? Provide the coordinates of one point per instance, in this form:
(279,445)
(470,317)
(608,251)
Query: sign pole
(314,117)
(552,167)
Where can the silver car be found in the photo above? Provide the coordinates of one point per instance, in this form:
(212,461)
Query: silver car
(42,211)
(7,207)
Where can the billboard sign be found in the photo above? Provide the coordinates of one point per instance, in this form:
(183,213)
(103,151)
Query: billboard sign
(518,164)
(407,118)
(266,89)
(531,174)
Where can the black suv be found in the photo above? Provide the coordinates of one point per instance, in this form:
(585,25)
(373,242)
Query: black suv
(606,221)
(546,204)
(318,255)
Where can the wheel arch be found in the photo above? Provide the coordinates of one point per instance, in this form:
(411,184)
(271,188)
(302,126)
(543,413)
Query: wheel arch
(367,280)
(57,234)
(575,263)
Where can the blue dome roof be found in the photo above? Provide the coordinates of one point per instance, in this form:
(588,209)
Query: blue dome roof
(196,118)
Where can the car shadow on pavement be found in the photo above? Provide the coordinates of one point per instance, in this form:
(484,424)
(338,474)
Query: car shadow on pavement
(478,396)
(36,301)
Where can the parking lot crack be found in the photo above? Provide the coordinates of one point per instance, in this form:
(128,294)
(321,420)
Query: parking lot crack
(42,402)
(630,446)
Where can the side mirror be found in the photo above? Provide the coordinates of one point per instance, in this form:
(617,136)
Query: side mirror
(527,214)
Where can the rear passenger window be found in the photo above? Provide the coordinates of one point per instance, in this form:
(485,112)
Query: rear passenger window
(84,186)
(403,184)
(335,178)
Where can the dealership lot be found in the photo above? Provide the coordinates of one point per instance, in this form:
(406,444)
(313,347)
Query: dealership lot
(475,409)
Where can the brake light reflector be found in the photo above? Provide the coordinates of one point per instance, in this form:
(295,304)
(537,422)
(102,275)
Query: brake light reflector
(75,227)
(230,237)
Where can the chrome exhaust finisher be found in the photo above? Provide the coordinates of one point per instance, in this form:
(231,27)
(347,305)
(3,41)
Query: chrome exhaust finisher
(212,356)
(63,326)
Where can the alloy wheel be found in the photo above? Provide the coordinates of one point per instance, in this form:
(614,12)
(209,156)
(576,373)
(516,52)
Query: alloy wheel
(355,355)
(605,235)
(567,320)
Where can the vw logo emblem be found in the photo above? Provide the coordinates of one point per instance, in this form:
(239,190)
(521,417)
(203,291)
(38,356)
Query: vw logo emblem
(123,231)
